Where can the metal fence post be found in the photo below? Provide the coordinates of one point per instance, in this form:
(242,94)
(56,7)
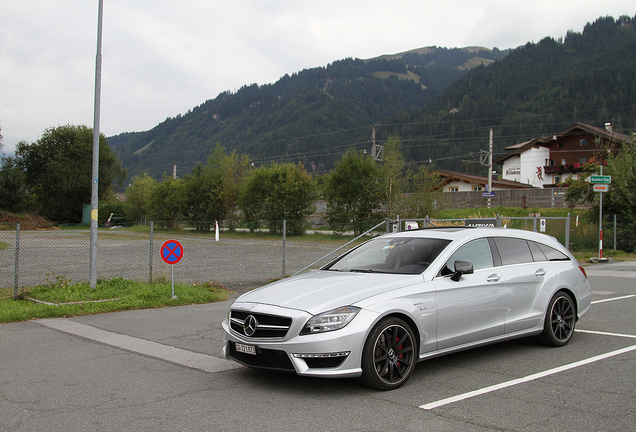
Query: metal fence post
(567,232)
(615,229)
(17,256)
(284,238)
(152,226)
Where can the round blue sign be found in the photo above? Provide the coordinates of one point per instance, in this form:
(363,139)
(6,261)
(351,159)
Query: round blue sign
(171,251)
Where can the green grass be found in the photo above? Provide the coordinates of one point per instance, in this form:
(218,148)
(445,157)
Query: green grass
(584,257)
(67,299)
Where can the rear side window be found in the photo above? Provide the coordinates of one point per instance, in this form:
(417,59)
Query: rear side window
(513,250)
(552,254)
(537,253)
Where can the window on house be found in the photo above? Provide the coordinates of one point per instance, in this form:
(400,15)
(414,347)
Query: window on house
(476,188)
(453,189)
(583,142)
(582,160)
(563,161)
(557,179)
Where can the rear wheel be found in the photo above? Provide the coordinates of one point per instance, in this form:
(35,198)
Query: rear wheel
(559,321)
(389,355)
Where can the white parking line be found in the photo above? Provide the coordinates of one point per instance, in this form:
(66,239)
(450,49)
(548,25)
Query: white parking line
(528,378)
(193,360)
(606,333)
(615,298)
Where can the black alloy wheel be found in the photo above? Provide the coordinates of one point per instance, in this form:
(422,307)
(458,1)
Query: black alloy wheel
(389,355)
(559,321)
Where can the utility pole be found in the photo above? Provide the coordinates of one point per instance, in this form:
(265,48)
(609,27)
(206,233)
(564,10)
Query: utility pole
(94,183)
(376,150)
(373,149)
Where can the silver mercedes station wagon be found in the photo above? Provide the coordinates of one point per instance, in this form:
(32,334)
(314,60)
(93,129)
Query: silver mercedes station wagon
(400,298)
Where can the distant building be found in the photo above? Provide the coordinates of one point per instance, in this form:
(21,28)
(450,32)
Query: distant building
(461,182)
(548,161)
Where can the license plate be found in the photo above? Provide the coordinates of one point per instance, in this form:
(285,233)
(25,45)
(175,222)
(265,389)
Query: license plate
(247,349)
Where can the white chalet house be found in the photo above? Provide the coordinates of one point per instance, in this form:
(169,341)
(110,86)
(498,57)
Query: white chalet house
(549,161)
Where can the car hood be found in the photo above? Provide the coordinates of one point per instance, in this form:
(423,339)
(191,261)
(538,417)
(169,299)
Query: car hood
(319,291)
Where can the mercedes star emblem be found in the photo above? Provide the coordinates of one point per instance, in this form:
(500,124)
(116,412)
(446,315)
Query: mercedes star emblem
(250,325)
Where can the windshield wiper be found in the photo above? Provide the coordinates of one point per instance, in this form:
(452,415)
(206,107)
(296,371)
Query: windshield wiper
(354,270)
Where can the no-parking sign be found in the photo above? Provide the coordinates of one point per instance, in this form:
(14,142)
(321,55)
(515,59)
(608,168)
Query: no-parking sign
(171,252)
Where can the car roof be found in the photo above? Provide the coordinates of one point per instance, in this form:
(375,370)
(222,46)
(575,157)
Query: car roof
(459,233)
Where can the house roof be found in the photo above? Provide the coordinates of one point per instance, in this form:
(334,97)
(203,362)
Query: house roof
(575,129)
(450,176)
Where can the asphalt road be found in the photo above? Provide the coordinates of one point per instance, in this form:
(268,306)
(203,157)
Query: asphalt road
(161,370)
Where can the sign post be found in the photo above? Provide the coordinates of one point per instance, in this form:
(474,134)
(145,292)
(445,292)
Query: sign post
(171,253)
(601,184)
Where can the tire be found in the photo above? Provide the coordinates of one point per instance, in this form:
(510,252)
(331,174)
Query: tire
(389,355)
(560,319)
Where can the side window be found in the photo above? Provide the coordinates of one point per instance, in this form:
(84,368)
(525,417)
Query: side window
(537,254)
(513,250)
(552,254)
(476,252)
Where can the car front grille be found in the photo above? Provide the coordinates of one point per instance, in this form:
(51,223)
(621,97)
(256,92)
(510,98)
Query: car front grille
(262,326)
(264,358)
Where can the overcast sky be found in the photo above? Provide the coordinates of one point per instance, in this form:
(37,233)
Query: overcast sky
(164,57)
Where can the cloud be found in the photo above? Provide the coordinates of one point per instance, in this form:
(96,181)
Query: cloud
(163,57)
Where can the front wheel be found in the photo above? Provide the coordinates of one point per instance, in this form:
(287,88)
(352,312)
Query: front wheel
(389,355)
(559,321)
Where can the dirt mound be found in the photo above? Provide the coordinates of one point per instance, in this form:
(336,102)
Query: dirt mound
(27,222)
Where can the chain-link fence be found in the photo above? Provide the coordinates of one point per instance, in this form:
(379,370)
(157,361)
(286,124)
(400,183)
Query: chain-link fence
(36,256)
(239,261)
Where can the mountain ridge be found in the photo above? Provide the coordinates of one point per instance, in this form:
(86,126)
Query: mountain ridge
(314,115)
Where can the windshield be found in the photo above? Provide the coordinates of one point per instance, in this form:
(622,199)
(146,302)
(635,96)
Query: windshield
(403,255)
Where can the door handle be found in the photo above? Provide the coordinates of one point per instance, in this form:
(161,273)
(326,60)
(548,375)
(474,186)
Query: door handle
(493,278)
(540,272)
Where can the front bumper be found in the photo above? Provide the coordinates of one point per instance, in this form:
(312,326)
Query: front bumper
(330,354)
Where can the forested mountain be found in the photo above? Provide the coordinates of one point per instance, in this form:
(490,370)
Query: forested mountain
(313,115)
(538,89)
(441,102)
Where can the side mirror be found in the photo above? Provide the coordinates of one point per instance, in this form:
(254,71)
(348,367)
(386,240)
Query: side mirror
(462,268)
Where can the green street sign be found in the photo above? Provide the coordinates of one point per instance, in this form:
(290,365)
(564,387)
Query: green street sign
(601,179)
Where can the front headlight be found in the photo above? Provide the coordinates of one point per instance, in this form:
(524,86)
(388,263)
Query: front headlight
(331,320)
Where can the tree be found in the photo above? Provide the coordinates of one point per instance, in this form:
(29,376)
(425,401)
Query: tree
(621,198)
(138,197)
(277,192)
(14,196)
(393,174)
(167,202)
(58,171)
(353,190)
(204,201)
(579,189)
(622,168)
(423,200)
(232,169)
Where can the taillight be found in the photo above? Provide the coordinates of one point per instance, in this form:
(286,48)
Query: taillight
(583,271)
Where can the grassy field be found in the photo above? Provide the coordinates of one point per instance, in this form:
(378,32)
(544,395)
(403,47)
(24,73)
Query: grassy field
(60,298)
